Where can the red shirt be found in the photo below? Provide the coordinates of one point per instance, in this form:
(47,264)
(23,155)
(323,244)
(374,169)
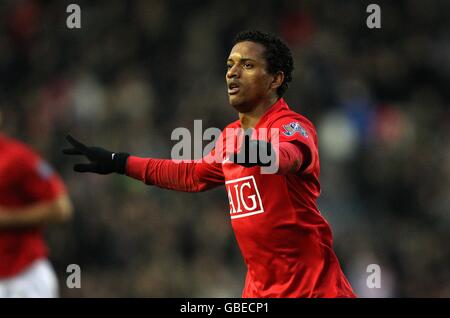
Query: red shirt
(285,242)
(24,180)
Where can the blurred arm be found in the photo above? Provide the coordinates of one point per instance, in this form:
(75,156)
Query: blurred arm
(54,211)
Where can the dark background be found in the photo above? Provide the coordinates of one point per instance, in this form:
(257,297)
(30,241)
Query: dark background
(138,69)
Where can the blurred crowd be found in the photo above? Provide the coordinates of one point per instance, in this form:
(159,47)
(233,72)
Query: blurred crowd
(136,70)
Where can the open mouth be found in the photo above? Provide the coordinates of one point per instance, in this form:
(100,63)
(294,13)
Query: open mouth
(233,88)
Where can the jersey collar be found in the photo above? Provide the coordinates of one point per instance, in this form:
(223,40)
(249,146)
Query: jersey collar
(278,106)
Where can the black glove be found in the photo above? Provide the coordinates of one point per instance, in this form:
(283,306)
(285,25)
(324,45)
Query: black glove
(101,160)
(251,151)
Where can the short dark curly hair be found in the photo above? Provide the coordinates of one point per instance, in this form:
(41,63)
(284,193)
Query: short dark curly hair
(277,54)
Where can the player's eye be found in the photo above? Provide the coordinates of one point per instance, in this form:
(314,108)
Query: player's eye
(229,66)
(248,65)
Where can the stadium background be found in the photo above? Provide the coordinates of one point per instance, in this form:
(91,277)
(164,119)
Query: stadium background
(138,69)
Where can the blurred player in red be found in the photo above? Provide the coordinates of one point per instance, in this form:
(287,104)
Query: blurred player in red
(285,242)
(32,195)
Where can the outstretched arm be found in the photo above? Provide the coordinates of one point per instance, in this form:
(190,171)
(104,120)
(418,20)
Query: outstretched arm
(193,176)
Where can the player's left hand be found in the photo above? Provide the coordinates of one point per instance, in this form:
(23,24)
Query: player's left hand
(254,153)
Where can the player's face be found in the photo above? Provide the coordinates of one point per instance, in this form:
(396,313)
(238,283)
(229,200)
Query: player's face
(248,81)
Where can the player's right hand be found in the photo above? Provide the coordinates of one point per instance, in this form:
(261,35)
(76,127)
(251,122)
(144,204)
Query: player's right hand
(101,161)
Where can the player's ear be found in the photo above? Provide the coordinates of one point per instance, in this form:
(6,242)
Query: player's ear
(278,79)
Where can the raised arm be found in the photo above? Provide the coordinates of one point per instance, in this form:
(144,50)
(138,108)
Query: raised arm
(37,214)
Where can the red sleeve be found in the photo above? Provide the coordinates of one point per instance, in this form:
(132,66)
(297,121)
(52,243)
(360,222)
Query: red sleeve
(192,176)
(39,182)
(302,135)
(290,158)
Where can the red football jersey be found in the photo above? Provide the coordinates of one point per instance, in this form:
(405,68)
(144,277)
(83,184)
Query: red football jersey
(24,180)
(285,242)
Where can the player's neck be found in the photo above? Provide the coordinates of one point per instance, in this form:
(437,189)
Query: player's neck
(251,118)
